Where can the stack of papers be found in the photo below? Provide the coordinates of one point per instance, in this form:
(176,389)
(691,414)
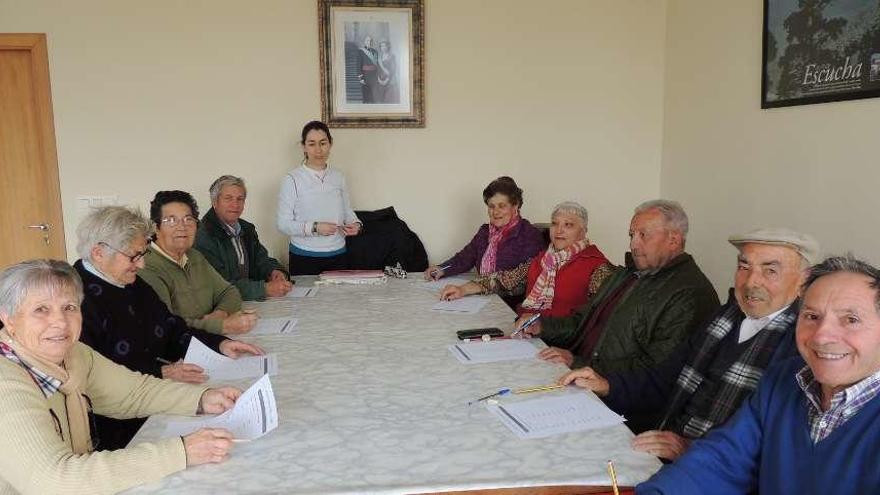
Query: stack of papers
(466,305)
(274,326)
(253,415)
(493,351)
(220,367)
(353,277)
(554,415)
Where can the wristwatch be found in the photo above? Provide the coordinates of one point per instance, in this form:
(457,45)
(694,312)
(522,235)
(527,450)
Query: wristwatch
(314,227)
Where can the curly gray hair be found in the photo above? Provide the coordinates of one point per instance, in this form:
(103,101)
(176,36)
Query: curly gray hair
(117,226)
(573,208)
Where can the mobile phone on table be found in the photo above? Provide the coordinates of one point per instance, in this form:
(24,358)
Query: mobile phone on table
(476,333)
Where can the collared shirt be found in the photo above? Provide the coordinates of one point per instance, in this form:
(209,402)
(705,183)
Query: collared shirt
(48,384)
(98,273)
(234,231)
(751,326)
(181,263)
(844,404)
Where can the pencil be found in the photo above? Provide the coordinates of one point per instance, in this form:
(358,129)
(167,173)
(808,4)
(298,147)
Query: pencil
(163,361)
(542,388)
(613,478)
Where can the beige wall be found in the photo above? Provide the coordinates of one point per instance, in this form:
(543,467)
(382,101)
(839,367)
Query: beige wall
(565,95)
(735,167)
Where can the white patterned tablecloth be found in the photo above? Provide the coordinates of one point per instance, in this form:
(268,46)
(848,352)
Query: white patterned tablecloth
(370,401)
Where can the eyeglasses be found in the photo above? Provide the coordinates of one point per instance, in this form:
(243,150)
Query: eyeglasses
(186,221)
(134,258)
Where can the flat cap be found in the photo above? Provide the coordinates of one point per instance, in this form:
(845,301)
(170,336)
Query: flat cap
(804,244)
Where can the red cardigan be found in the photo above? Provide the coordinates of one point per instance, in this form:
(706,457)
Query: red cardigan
(572,281)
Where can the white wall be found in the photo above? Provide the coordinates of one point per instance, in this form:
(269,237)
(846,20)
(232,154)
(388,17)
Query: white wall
(563,95)
(736,167)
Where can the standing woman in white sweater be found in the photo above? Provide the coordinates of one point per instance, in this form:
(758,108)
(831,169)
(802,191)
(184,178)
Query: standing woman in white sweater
(314,209)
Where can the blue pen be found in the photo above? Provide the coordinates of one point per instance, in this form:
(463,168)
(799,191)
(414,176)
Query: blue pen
(503,391)
(525,325)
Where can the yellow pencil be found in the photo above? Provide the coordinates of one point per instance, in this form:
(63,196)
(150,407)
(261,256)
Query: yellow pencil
(613,478)
(542,388)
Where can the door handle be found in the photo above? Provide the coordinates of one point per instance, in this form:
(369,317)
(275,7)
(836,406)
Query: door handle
(44,227)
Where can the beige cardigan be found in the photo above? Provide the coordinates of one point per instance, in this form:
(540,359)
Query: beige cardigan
(35,457)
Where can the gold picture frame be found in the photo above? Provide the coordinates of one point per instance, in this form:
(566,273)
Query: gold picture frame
(372,68)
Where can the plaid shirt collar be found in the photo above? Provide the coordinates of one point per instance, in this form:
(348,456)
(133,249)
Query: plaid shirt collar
(48,385)
(844,404)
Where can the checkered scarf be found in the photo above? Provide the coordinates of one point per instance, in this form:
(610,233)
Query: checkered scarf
(541,295)
(737,381)
(48,384)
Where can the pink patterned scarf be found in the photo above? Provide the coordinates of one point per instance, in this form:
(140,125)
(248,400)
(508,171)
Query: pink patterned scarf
(496,235)
(541,295)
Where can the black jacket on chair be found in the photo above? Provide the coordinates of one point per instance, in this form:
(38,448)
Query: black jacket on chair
(385,240)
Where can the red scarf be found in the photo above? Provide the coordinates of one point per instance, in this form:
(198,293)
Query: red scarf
(541,295)
(496,235)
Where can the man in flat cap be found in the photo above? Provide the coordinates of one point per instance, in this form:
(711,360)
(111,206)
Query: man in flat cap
(701,384)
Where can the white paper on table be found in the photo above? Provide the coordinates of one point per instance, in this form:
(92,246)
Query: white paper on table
(274,326)
(467,305)
(220,367)
(297,292)
(253,415)
(493,351)
(555,414)
(437,285)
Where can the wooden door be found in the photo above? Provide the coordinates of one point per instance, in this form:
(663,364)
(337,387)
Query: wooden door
(30,198)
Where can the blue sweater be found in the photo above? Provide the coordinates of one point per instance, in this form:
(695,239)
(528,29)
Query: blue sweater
(767,445)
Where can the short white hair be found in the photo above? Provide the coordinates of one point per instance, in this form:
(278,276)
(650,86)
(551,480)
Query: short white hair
(572,208)
(673,213)
(116,226)
(223,181)
(20,279)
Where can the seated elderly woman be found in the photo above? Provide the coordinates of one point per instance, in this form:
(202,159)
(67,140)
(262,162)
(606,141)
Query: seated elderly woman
(125,320)
(506,242)
(559,279)
(181,275)
(50,383)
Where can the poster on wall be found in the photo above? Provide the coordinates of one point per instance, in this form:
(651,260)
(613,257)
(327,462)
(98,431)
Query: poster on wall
(816,51)
(371,62)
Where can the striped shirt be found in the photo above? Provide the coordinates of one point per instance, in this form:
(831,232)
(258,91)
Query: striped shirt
(844,404)
(48,384)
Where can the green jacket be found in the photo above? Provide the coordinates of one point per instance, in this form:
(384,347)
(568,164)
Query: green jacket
(659,312)
(193,291)
(213,242)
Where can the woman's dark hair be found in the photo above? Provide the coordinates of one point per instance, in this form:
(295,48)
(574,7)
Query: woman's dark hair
(506,186)
(316,125)
(162,198)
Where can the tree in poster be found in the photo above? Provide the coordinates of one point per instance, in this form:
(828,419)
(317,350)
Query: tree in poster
(810,37)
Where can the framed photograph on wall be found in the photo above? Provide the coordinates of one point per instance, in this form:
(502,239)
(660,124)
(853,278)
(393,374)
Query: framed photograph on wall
(372,72)
(816,51)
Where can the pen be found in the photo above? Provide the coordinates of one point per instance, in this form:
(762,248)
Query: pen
(543,388)
(241,440)
(439,269)
(163,361)
(503,391)
(613,478)
(527,324)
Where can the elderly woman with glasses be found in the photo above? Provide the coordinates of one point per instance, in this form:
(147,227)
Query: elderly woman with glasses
(51,384)
(124,319)
(181,275)
(559,279)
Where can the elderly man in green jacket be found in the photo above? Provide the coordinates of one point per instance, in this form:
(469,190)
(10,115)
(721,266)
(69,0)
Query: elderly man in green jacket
(232,247)
(641,313)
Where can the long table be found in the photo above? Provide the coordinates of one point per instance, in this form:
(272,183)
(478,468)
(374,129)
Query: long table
(371,401)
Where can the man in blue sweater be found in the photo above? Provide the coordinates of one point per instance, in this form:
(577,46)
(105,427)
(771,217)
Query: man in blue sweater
(707,378)
(811,429)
